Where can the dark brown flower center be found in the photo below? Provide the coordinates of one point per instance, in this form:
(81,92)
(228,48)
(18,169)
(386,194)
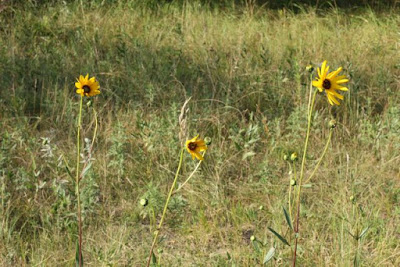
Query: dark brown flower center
(192,146)
(326,84)
(86,89)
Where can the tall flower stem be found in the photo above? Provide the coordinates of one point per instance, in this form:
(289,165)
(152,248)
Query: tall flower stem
(290,190)
(190,176)
(77,183)
(296,228)
(165,208)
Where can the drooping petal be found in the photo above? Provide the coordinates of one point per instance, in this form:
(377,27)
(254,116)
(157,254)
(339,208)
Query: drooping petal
(334,100)
(199,156)
(333,92)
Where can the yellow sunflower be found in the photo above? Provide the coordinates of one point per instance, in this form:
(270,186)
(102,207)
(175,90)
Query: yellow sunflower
(330,82)
(86,86)
(194,147)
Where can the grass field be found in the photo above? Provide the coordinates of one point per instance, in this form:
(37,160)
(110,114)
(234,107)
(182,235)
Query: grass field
(244,68)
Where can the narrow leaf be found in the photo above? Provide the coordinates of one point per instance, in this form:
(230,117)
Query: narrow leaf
(269,255)
(363,232)
(86,169)
(279,236)
(69,172)
(287,218)
(351,234)
(153,258)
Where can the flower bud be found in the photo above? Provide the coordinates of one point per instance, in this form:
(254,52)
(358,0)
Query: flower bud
(285,157)
(293,156)
(252,238)
(292,182)
(207,140)
(309,68)
(332,124)
(89,104)
(144,202)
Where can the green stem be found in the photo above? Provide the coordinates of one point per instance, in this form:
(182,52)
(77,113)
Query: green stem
(190,176)
(296,229)
(165,208)
(77,183)
(290,191)
(322,156)
(95,127)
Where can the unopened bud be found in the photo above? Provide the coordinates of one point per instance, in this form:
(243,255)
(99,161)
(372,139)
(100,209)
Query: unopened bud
(285,157)
(292,182)
(293,156)
(89,104)
(252,238)
(332,124)
(144,202)
(309,68)
(207,140)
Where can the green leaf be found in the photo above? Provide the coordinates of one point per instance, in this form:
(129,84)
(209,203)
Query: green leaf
(351,234)
(248,154)
(279,236)
(287,218)
(153,258)
(69,172)
(86,169)
(363,232)
(269,255)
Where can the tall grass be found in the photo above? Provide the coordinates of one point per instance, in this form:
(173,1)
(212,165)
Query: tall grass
(245,71)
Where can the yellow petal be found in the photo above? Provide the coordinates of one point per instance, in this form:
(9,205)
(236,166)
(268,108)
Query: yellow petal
(334,73)
(199,156)
(332,92)
(334,100)
(330,101)
(87,77)
(78,85)
(323,68)
(317,84)
(342,88)
(342,81)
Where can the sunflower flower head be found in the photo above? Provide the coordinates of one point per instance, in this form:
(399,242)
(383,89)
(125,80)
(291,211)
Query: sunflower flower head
(330,82)
(86,86)
(194,146)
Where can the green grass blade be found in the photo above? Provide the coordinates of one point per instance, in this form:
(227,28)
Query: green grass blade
(363,232)
(279,236)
